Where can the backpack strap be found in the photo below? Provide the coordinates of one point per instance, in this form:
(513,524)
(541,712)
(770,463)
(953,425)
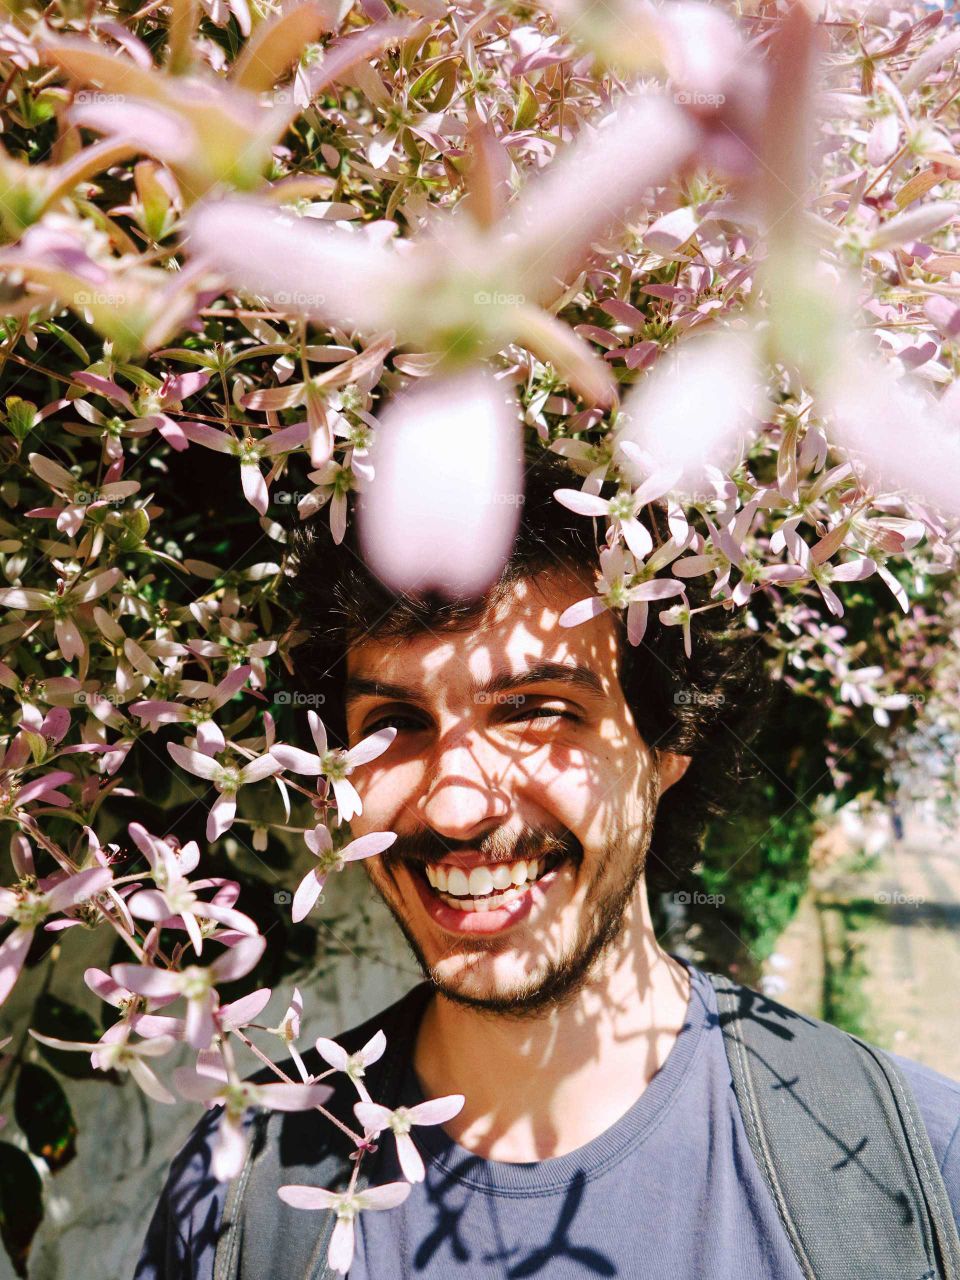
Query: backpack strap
(837,1134)
(256,1227)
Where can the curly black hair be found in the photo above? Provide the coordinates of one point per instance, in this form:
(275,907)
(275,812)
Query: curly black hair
(708,706)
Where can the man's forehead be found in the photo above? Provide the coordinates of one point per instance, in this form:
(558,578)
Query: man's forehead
(513,633)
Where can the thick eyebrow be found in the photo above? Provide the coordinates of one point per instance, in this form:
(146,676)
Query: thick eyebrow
(543,673)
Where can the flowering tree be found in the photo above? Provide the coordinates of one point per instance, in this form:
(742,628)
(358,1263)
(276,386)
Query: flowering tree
(709,257)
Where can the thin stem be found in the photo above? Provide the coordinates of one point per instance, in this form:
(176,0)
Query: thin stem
(354,1137)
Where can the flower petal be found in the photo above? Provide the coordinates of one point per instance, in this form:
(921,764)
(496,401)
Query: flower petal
(308,1197)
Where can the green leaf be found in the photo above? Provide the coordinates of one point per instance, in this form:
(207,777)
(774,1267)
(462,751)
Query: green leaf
(424,83)
(68,339)
(527,107)
(43,1113)
(54,1017)
(21,1204)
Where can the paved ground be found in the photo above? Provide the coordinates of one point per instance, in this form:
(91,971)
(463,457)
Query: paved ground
(897,916)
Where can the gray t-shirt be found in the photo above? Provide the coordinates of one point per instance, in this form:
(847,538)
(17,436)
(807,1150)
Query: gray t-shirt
(670,1190)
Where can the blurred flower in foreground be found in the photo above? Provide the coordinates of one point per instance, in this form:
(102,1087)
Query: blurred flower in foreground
(698,408)
(899,435)
(465,290)
(443,507)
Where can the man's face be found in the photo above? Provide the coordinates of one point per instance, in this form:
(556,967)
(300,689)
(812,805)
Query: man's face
(515,746)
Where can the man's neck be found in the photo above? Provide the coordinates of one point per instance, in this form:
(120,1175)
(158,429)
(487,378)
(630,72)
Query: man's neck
(542,1086)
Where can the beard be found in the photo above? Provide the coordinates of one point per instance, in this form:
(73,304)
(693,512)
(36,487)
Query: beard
(612,887)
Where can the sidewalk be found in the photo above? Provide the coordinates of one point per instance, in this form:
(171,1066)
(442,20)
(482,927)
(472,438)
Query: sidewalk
(875,947)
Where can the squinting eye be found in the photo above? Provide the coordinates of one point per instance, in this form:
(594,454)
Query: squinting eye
(398,721)
(545,713)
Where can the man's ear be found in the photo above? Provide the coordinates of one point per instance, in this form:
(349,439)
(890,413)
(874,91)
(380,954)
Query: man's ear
(672,769)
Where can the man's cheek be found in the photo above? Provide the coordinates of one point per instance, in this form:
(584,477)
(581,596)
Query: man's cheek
(384,793)
(576,782)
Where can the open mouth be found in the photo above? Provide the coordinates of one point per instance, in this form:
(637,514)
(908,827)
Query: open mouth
(486,888)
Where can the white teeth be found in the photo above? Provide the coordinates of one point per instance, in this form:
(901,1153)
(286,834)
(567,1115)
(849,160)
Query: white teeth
(518,872)
(500,875)
(457,882)
(481,882)
(471,891)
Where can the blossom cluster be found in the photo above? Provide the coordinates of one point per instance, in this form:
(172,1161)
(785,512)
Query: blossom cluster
(705,253)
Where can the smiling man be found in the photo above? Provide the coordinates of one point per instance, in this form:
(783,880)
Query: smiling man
(541,781)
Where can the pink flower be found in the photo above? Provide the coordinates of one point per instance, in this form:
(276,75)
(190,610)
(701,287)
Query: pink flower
(236,1098)
(492,278)
(346,1205)
(850,571)
(697,409)
(148,409)
(227,778)
(354,1064)
(622,509)
(376,1118)
(442,509)
(63,607)
(136,1010)
(28,908)
(289,1031)
(210,737)
(13,796)
(175,896)
(335,765)
(250,452)
(320,842)
(123,1056)
(78,495)
(627,584)
(196,983)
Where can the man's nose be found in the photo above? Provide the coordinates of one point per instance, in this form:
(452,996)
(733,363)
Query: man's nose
(465,789)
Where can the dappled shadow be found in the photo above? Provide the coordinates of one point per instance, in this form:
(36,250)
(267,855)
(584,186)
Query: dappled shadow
(838,1125)
(908,913)
(519,1261)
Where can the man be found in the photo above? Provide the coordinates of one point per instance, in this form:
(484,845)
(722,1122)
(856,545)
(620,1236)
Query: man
(541,779)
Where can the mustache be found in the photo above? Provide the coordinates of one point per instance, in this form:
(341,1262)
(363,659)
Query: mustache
(426,848)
